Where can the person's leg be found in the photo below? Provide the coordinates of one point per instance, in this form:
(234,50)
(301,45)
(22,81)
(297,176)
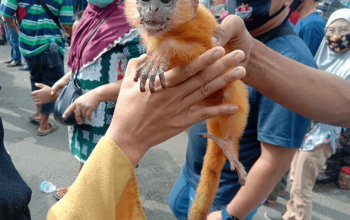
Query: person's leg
(283,183)
(8,38)
(289,215)
(179,197)
(50,75)
(35,71)
(309,165)
(15,46)
(62,191)
(272,198)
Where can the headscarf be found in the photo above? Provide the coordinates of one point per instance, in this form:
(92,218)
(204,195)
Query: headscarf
(330,61)
(107,35)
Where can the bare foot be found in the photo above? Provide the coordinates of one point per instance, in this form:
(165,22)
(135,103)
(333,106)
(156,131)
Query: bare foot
(62,191)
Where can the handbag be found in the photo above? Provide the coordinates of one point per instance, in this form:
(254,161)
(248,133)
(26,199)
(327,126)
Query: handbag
(70,92)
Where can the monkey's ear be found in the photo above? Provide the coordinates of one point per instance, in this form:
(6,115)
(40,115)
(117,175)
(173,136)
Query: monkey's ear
(186,10)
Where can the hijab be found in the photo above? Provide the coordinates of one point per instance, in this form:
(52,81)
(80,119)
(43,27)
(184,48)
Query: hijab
(330,61)
(110,33)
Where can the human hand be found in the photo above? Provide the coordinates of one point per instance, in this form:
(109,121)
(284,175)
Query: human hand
(215,215)
(143,120)
(43,95)
(233,34)
(83,106)
(58,86)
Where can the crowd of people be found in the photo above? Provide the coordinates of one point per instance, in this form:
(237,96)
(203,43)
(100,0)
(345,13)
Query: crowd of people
(289,126)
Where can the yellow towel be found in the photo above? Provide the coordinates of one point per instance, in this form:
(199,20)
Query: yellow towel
(106,189)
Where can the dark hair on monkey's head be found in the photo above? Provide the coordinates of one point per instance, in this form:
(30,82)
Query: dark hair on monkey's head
(77,15)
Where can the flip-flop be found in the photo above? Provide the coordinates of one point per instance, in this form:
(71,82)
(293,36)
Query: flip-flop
(8,61)
(56,196)
(34,120)
(53,128)
(13,64)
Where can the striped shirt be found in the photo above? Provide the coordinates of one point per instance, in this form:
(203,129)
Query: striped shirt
(37,28)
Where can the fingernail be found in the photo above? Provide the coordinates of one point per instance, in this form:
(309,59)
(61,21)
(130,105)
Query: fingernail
(237,56)
(233,108)
(214,39)
(217,54)
(63,116)
(238,73)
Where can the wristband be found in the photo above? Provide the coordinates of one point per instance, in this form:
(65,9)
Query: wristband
(226,216)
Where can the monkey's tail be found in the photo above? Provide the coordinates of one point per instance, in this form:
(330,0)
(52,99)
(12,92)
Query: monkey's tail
(214,161)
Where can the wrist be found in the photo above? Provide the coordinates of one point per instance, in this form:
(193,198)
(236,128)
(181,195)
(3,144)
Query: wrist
(128,143)
(227,216)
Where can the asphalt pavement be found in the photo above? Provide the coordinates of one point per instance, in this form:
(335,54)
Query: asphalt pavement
(48,158)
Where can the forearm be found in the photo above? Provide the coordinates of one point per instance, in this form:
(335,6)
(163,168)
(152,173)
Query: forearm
(302,89)
(261,180)
(108,92)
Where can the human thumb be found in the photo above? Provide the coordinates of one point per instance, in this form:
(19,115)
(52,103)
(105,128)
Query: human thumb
(39,85)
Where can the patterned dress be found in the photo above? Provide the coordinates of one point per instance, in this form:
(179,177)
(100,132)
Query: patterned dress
(107,67)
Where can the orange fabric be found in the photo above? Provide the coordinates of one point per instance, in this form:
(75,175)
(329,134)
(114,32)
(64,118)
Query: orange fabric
(106,188)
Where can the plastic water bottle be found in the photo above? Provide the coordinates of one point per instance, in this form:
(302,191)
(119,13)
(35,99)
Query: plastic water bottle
(53,46)
(47,187)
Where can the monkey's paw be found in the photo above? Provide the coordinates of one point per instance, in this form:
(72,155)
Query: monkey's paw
(154,66)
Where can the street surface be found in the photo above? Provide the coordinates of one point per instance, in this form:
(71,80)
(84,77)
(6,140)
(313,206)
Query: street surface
(48,158)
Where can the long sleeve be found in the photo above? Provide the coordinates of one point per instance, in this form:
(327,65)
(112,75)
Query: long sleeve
(106,188)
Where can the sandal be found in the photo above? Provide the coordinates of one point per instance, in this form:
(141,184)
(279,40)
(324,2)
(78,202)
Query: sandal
(34,120)
(13,64)
(56,196)
(8,61)
(53,128)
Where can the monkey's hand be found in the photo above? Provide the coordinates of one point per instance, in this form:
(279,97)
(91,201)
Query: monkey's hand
(226,145)
(154,66)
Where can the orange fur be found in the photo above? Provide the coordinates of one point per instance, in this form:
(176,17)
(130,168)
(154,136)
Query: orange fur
(180,45)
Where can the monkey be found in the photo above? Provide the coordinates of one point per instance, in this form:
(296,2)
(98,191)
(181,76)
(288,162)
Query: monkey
(174,33)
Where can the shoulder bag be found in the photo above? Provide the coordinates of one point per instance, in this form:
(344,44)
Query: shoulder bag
(70,92)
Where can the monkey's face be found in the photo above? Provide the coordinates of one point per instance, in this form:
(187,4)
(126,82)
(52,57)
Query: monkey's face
(155,14)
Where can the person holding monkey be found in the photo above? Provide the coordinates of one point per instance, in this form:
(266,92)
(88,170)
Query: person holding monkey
(278,77)
(272,135)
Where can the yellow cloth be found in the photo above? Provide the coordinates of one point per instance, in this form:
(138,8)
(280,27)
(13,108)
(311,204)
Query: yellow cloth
(106,189)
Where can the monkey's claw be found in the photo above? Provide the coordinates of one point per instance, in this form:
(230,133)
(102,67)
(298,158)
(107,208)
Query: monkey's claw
(226,144)
(153,67)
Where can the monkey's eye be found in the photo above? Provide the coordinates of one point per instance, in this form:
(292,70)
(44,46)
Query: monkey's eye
(145,0)
(166,1)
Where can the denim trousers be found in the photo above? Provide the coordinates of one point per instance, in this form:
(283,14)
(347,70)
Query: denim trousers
(183,194)
(12,38)
(43,69)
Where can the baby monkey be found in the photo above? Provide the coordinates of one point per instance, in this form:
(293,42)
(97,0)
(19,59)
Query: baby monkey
(174,33)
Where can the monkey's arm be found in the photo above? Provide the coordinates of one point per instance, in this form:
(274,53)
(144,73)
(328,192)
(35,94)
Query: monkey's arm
(262,178)
(168,54)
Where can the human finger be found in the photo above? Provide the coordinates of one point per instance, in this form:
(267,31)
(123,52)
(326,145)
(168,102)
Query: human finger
(181,73)
(55,87)
(224,32)
(201,114)
(88,114)
(132,66)
(208,74)
(71,108)
(214,85)
(39,85)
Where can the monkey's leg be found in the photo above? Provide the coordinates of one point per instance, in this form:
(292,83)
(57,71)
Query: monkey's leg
(226,145)
(214,161)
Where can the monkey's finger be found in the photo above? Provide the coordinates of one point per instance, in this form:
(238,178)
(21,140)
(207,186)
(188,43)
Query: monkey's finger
(179,74)
(213,71)
(214,85)
(132,67)
(201,114)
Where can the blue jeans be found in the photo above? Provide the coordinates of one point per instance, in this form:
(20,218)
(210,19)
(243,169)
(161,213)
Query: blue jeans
(12,38)
(46,71)
(183,194)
